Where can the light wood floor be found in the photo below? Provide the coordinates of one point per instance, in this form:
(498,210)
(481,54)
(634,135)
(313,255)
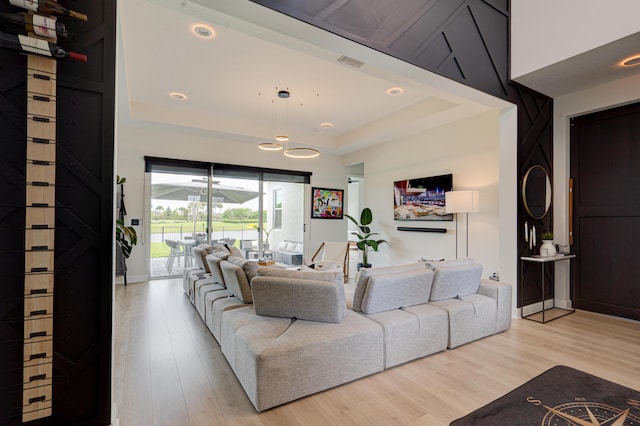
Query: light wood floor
(169,370)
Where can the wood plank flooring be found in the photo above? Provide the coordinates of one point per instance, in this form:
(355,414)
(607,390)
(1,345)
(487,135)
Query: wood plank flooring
(169,369)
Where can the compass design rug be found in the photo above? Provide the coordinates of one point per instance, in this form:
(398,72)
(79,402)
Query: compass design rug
(561,396)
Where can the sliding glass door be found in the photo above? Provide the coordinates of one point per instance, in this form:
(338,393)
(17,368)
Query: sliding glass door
(177,219)
(259,211)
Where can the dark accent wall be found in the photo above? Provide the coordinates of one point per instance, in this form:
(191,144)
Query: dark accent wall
(464,40)
(84,223)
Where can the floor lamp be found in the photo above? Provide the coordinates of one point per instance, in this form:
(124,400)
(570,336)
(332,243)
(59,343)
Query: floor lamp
(462,202)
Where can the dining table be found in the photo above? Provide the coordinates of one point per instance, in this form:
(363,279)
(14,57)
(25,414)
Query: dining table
(186,245)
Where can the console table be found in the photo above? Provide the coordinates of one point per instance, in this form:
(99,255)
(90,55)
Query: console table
(542,261)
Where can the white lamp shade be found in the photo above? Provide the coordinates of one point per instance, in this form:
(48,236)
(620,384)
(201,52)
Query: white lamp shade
(462,201)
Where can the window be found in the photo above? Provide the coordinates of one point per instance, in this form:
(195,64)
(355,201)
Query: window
(277,208)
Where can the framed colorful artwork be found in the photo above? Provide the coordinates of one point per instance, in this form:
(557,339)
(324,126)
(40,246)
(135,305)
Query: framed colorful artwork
(327,203)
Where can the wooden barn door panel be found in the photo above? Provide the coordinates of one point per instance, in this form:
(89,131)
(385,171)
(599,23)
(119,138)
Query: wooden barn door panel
(605,165)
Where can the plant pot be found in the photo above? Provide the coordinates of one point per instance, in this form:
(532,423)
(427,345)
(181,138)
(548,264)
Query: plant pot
(363,265)
(547,249)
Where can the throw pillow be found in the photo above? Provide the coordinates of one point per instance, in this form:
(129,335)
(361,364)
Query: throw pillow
(291,246)
(235,251)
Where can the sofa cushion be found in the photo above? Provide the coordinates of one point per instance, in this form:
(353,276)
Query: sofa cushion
(470,318)
(392,291)
(311,300)
(449,262)
(412,332)
(333,275)
(454,281)
(216,304)
(218,247)
(250,267)
(199,255)
(213,262)
(364,274)
(235,251)
(236,281)
(278,360)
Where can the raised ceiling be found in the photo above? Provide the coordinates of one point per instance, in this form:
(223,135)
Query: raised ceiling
(230,80)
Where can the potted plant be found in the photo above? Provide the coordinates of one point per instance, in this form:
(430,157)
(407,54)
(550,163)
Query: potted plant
(265,242)
(364,236)
(546,236)
(126,236)
(547,249)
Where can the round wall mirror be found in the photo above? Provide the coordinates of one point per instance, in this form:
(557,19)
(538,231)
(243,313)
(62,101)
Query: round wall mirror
(536,192)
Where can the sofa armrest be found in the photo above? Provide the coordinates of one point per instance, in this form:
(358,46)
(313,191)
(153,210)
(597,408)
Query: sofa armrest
(303,299)
(501,293)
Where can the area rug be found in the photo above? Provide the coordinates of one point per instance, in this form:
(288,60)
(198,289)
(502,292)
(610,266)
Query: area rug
(561,396)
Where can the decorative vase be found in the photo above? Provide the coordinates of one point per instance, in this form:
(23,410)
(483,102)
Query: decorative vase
(547,249)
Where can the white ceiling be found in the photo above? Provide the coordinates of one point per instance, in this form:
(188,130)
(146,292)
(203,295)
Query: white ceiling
(230,80)
(592,68)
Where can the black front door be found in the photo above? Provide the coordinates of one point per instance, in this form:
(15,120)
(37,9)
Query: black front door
(605,166)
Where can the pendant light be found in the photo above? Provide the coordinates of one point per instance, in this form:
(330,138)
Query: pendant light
(282,136)
(266,146)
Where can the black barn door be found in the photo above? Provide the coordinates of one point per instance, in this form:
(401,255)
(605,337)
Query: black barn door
(605,166)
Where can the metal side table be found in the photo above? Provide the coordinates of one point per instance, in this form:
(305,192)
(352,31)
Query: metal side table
(543,261)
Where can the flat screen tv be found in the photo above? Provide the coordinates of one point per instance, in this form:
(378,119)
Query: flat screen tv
(422,199)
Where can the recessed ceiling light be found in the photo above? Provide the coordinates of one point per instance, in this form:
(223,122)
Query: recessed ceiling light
(203,31)
(178,96)
(394,91)
(629,62)
(326,125)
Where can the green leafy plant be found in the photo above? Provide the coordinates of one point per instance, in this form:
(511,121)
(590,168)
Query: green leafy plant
(547,235)
(126,236)
(364,234)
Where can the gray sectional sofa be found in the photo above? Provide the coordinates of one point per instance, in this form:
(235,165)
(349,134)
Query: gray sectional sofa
(288,334)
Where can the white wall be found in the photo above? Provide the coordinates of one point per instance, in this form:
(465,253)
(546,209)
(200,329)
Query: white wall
(598,98)
(470,149)
(135,142)
(581,25)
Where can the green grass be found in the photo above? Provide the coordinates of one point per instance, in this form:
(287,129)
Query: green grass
(159,250)
(200,226)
